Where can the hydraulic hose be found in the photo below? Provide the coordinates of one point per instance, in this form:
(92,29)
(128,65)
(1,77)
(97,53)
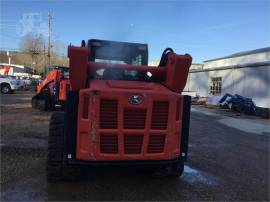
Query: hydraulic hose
(164,57)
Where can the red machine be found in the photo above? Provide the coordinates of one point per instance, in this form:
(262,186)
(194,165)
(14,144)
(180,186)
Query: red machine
(6,69)
(53,89)
(120,111)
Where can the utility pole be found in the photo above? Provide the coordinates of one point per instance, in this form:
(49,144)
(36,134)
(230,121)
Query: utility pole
(49,37)
(9,57)
(44,54)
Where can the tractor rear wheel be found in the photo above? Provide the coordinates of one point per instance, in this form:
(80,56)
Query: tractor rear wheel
(56,168)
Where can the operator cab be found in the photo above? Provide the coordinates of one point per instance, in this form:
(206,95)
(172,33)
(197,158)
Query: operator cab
(64,70)
(117,52)
(103,51)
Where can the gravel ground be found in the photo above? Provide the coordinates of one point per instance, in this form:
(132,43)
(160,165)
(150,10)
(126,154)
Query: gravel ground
(225,161)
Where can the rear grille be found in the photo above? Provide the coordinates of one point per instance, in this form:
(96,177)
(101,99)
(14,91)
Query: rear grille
(160,115)
(133,144)
(134,118)
(156,143)
(109,143)
(108,114)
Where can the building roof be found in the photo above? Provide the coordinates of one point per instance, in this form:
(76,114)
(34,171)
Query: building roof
(12,65)
(261,50)
(238,66)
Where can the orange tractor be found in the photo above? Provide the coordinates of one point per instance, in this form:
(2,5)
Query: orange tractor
(51,92)
(119,111)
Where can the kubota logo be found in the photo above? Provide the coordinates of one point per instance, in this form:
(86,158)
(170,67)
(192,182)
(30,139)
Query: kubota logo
(135,99)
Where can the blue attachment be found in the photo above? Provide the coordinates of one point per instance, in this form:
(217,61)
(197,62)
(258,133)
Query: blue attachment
(224,98)
(245,104)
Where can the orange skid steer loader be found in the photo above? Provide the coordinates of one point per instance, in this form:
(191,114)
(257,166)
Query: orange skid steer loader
(119,111)
(51,92)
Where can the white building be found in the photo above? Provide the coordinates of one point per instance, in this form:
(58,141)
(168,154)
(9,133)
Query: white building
(246,73)
(15,70)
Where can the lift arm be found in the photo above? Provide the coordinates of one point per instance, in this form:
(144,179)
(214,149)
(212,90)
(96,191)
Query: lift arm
(52,76)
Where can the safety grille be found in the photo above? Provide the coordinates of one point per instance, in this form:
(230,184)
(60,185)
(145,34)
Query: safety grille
(156,143)
(108,114)
(160,115)
(109,143)
(134,118)
(133,144)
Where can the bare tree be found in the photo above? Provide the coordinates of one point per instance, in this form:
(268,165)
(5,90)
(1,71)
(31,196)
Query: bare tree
(32,43)
(34,52)
(34,47)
